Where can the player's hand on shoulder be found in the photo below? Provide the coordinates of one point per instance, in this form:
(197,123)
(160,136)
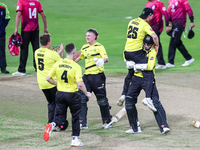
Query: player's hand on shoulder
(156,48)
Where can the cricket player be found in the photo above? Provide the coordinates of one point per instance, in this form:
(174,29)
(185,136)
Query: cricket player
(4,19)
(177,10)
(94,78)
(27,12)
(69,75)
(159,10)
(137,84)
(138,28)
(45,58)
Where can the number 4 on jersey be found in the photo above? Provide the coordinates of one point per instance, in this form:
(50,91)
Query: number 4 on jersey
(64,76)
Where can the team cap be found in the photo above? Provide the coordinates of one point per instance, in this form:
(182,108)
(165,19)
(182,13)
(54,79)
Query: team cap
(146,12)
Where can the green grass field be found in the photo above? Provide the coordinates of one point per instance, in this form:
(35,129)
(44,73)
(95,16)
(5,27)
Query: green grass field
(68,22)
(23,110)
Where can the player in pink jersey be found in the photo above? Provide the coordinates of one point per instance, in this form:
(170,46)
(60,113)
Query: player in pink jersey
(156,23)
(27,11)
(177,14)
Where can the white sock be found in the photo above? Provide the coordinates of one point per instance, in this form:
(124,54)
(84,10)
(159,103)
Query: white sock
(75,137)
(53,124)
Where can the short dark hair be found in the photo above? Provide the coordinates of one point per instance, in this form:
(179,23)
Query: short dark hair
(93,31)
(69,48)
(45,38)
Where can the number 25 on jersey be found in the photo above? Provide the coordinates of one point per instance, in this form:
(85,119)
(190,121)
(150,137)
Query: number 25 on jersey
(132,32)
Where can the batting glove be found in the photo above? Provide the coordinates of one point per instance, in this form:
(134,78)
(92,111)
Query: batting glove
(121,101)
(130,64)
(140,67)
(99,62)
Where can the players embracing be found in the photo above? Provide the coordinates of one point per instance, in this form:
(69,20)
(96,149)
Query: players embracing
(135,87)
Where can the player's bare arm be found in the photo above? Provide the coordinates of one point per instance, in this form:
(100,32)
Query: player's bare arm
(76,55)
(61,48)
(51,80)
(82,87)
(156,41)
(18,17)
(192,24)
(44,21)
(168,29)
(105,59)
(77,59)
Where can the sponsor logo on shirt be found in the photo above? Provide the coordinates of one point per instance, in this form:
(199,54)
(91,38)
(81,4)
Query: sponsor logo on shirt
(17,7)
(152,58)
(153,7)
(151,29)
(32,4)
(164,9)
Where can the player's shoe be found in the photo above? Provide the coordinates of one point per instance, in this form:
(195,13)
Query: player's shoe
(83,127)
(139,128)
(165,130)
(5,71)
(105,126)
(47,133)
(76,142)
(169,65)
(158,66)
(130,131)
(18,74)
(187,62)
(121,100)
(148,102)
(57,128)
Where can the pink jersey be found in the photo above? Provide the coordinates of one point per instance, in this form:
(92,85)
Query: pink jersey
(29,17)
(158,11)
(177,11)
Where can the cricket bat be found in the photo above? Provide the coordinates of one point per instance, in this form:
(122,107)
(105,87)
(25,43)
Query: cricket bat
(116,118)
